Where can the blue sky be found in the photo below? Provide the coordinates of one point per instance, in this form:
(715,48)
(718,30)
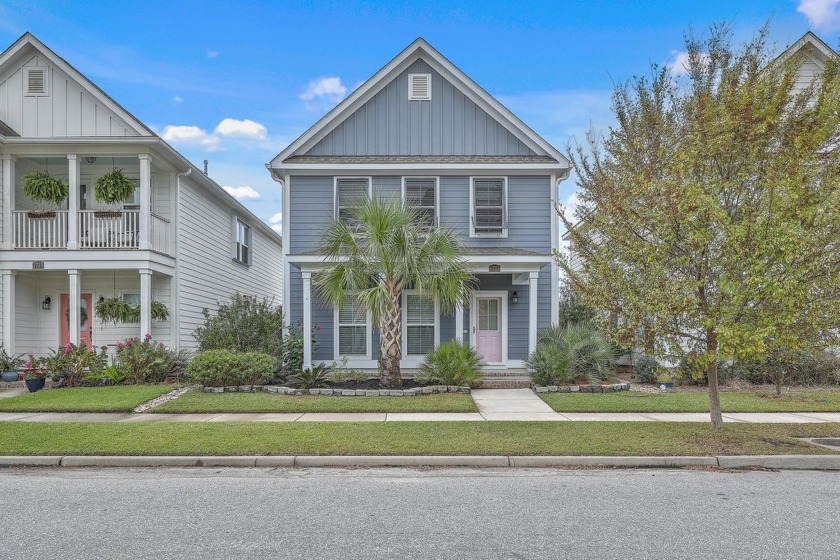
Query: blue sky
(236,82)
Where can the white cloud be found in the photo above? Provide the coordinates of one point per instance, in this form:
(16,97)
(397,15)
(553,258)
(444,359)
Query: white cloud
(189,135)
(243,193)
(212,54)
(178,99)
(680,64)
(276,222)
(329,88)
(244,129)
(822,14)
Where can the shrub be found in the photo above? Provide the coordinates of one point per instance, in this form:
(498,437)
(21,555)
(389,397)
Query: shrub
(572,309)
(109,375)
(566,353)
(452,363)
(645,368)
(144,361)
(315,377)
(218,368)
(71,363)
(340,372)
(244,324)
(292,351)
(801,367)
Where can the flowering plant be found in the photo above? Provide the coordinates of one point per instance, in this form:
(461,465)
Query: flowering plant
(72,362)
(33,368)
(144,361)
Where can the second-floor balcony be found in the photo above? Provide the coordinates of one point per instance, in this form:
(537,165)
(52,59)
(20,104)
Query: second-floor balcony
(97,229)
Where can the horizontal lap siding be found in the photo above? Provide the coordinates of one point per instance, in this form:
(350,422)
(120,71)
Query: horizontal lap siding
(517,312)
(207,274)
(449,124)
(311,209)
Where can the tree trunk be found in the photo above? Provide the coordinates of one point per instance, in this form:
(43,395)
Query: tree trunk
(712,375)
(390,347)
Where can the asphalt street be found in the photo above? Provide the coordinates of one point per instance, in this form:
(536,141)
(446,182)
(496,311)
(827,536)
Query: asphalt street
(404,513)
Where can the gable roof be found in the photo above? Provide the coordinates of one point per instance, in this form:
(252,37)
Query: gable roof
(420,49)
(20,47)
(809,41)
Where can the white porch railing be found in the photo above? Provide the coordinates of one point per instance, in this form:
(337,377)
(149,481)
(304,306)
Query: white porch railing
(48,231)
(159,238)
(109,230)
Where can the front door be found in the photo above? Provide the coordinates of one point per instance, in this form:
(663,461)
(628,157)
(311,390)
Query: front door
(86,309)
(488,328)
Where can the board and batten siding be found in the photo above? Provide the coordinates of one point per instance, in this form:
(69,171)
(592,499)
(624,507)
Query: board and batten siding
(449,124)
(529,210)
(207,275)
(67,109)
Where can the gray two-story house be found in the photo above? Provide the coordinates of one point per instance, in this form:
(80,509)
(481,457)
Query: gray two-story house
(422,131)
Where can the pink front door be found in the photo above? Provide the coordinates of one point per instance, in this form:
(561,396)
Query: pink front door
(488,334)
(86,313)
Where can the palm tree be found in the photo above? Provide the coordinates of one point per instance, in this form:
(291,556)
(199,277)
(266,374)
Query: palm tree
(381,250)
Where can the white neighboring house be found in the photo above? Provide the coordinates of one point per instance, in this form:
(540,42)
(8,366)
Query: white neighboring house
(183,241)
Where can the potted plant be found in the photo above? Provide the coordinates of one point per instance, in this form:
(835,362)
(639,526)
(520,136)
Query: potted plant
(664,379)
(112,188)
(34,374)
(42,187)
(10,366)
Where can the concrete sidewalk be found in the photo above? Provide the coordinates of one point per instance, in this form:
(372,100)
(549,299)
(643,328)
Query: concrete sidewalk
(745,417)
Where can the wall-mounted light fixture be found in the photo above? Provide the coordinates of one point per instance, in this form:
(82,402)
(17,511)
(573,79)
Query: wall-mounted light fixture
(45,305)
(514,297)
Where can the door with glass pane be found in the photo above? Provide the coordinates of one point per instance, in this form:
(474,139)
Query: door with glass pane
(488,328)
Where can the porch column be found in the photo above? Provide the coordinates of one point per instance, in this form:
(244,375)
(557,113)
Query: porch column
(532,311)
(145,200)
(307,319)
(9,311)
(145,302)
(75,299)
(73,202)
(8,186)
(459,323)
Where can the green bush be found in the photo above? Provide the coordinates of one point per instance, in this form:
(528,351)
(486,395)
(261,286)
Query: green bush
(144,361)
(244,324)
(809,367)
(220,368)
(566,353)
(316,377)
(292,351)
(72,363)
(452,363)
(645,368)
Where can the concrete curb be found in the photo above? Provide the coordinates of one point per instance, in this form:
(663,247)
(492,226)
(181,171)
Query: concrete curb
(783,462)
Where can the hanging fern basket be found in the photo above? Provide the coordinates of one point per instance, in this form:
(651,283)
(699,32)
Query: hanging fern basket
(115,310)
(40,186)
(114,187)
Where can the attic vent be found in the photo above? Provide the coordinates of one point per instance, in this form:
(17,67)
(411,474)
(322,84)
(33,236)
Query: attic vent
(36,81)
(419,87)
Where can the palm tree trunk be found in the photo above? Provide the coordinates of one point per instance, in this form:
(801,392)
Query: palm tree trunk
(390,348)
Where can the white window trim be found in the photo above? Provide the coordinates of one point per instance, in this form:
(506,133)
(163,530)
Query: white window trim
(504,233)
(368,178)
(437,192)
(234,250)
(429,77)
(415,360)
(47,74)
(353,360)
(474,322)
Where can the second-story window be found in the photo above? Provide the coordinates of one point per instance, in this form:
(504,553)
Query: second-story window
(349,193)
(489,206)
(420,193)
(243,242)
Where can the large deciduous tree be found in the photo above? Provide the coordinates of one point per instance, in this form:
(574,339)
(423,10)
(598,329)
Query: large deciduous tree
(383,249)
(710,214)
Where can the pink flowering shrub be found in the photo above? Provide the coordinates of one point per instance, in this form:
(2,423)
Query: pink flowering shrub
(71,363)
(144,361)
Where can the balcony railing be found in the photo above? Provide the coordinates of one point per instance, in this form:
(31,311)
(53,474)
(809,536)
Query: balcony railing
(109,230)
(98,229)
(40,230)
(159,238)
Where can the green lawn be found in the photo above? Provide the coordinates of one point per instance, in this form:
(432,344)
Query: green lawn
(121,398)
(409,438)
(197,401)
(731,401)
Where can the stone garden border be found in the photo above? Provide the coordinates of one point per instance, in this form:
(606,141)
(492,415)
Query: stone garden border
(612,388)
(417,391)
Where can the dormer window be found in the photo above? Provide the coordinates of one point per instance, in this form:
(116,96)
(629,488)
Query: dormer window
(419,87)
(36,81)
